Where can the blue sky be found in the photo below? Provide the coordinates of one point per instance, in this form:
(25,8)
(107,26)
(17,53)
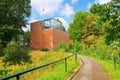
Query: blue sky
(62,9)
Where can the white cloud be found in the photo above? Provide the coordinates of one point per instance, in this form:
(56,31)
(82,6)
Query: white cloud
(74,1)
(67,11)
(27,28)
(97,1)
(102,1)
(89,5)
(65,23)
(50,6)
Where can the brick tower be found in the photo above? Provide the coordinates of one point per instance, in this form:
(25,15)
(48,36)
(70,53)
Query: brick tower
(46,34)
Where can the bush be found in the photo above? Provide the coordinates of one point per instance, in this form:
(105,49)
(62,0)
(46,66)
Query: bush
(14,54)
(44,49)
(61,46)
(1,48)
(75,47)
(1,51)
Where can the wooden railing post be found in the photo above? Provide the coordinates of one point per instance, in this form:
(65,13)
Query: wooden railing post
(115,63)
(76,57)
(18,77)
(65,65)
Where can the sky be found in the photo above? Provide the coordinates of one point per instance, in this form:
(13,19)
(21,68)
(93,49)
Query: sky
(64,10)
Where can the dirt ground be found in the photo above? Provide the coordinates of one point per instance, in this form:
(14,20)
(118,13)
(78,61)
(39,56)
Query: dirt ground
(91,70)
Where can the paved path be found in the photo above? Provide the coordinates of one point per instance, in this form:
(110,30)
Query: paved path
(91,70)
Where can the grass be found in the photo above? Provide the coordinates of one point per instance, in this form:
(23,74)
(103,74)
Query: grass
(39,58)
(115,73)
(59,73)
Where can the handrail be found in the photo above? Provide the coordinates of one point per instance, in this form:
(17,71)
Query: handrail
(17,75)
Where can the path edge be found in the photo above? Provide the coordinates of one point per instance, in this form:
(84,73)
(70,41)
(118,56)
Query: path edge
(75,71)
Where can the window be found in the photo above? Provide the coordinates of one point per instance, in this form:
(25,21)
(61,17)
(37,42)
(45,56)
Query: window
(49,23)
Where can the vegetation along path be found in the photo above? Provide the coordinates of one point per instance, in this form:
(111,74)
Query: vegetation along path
(90,70)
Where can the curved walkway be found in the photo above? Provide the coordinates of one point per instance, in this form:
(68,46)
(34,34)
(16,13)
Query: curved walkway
(90,70)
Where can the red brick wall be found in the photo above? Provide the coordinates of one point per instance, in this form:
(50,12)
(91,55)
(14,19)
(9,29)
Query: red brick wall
(48,38)
(52,37)
(60,36)
(36,35)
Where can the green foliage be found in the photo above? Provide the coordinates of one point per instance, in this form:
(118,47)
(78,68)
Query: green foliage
(75,27)
(1,49)
(44,49)
(75,47)
(13,16)
(14,12)
(109,19)
(7,33)
(83,26)
(27,38)
(90,31)
(14,54)
(102,10)
(108,33)
(103,51)
(111,33)
(115,44)
(62,46)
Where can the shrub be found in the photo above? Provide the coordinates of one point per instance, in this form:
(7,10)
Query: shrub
(1,48)
(75,47)
(61,46)
(44,49)
(27,38)
(1,51)
(14,54)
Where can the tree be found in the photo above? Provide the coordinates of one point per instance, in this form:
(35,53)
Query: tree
(90,32)
(75,27)
(14,12)
(27,38)
(111,33)
(101,10)
(13,16)
(109,18)
(83,27)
